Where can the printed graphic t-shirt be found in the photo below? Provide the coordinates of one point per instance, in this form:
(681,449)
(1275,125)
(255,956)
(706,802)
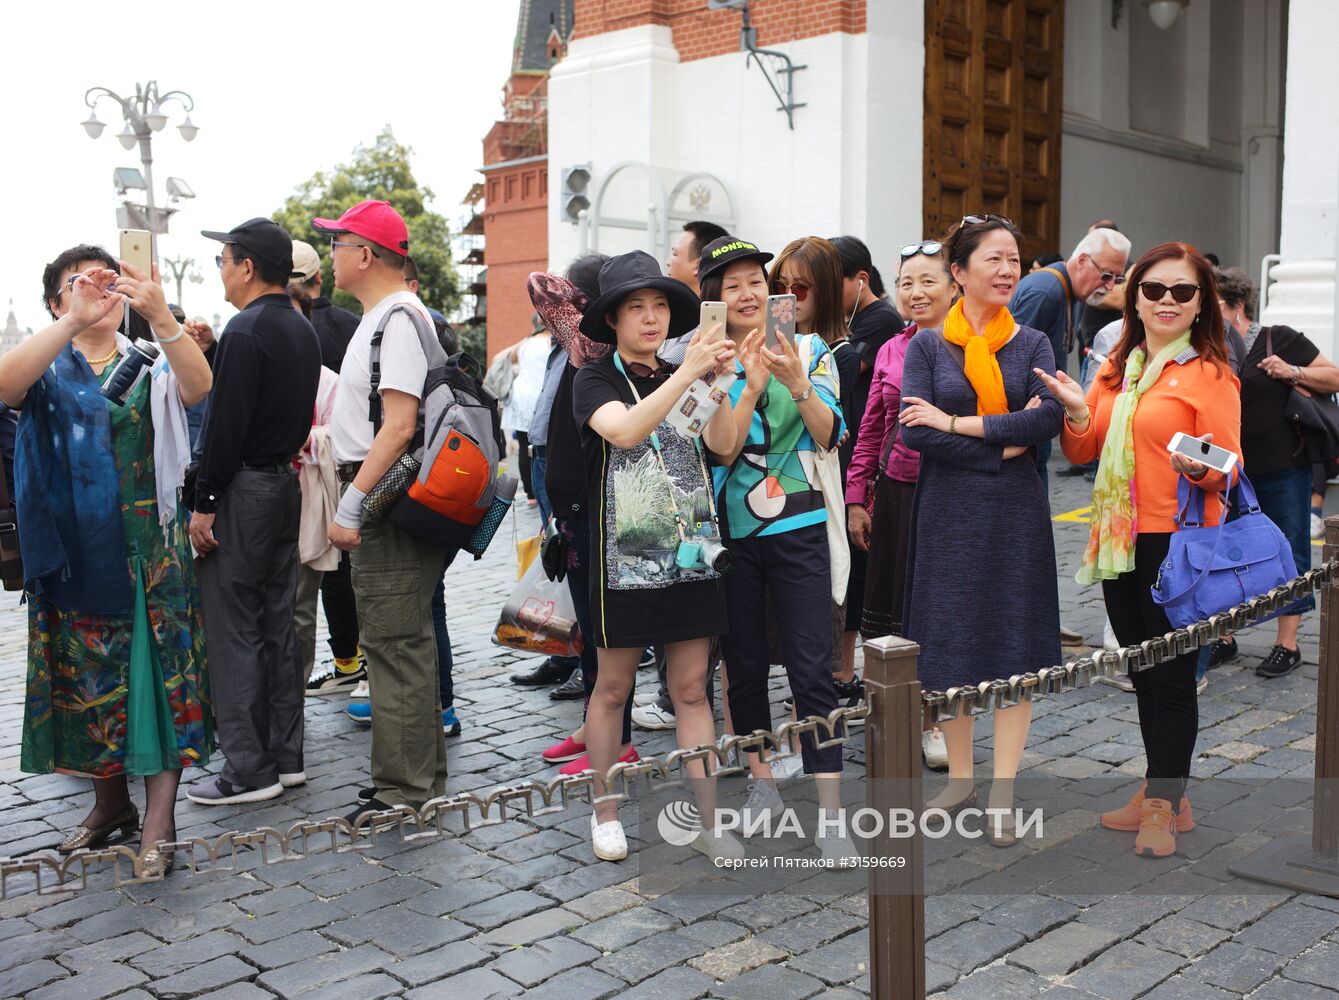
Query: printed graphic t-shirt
(638,592)
(772,486)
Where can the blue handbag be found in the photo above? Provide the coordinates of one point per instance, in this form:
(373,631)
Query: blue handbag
(1209,570)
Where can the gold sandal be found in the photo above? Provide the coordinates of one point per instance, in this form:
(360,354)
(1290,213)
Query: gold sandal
(157,863)
(87,837)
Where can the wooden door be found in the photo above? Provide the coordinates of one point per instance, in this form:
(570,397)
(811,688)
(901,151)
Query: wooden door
(992,115)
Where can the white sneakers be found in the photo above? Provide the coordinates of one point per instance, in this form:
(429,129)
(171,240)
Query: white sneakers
(608,839)
(763,799)
(719,845)
(293,780)
(934,750)
(834,845)
(787,768)
(645,698)
(1317,526)
(360,690)
(652,716)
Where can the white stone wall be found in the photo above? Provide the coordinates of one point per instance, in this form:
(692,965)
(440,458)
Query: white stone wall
(851,165)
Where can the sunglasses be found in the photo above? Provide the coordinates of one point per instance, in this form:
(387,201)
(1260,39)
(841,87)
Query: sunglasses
(1155,290)
(976,220)
(797,288)
(927,247)
(336,244)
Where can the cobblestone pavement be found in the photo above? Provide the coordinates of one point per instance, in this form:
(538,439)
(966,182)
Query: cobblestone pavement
(524,909)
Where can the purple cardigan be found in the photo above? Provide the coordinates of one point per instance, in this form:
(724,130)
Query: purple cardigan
(885,400)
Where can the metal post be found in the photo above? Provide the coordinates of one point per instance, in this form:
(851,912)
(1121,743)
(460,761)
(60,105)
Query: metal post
(146,158)
(893,781)
(1296,861)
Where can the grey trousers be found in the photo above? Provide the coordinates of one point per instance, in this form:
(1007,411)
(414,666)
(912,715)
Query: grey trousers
(394,575)
(247,589)
(304,618)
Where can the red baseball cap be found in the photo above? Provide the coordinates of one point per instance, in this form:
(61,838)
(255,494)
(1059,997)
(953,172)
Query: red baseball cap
(372,220)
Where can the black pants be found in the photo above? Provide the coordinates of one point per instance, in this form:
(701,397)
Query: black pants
(523,459)
(578,582)
(248,586)
(1168,704)
(341,610)
(794,568)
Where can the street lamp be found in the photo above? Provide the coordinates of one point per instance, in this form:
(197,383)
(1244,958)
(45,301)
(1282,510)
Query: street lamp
(143,115)
(179,267)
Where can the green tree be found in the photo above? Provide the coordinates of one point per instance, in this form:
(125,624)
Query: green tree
(380,171)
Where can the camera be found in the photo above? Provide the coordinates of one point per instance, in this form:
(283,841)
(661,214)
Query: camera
(130,371)
(702,554)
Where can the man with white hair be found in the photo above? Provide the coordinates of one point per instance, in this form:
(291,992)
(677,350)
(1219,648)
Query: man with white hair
(1044,300)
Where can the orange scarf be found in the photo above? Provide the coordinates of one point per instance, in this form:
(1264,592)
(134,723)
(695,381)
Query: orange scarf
(980,366)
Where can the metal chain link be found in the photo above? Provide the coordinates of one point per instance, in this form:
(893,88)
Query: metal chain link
(275,846)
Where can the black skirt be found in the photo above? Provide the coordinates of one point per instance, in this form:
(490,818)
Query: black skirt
(886,578)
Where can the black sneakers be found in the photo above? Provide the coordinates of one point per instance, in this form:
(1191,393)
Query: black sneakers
(1280,662)
(1221,652)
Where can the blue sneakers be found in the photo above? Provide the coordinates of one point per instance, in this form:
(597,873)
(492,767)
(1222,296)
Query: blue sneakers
(361,713)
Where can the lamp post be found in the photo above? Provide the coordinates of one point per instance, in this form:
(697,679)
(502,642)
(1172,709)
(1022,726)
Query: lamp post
(143,115)
(179,268)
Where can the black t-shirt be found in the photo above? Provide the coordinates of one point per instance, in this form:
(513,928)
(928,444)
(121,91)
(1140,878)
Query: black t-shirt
(639,595)
(1269,441)
(565,478)
(266,373)
(334,329)
(848,382)
(1092,319)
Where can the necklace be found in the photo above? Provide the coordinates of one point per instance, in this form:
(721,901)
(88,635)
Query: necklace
(102,361)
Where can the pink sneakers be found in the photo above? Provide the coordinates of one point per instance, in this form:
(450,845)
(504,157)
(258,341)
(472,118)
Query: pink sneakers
(582,763)
(568,749)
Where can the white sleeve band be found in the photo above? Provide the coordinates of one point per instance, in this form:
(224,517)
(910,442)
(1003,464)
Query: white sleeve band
(350,511)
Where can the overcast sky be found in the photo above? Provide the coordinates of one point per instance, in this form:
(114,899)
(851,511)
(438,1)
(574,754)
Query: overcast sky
(280,91)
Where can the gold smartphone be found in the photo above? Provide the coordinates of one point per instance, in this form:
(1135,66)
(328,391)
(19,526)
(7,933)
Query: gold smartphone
(137,250)
(711,314)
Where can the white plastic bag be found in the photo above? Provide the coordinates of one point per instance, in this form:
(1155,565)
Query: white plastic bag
(539,617)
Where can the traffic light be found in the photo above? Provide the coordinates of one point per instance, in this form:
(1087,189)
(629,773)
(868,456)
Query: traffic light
(576,180)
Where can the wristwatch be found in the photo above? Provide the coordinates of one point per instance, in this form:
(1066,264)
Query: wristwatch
(808,391)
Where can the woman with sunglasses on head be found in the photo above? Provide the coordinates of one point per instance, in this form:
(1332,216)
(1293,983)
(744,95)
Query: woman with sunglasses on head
(1168,373)
(116,659)
(774,524)
(655,577)
(974,409)
(811,269)
(883,470)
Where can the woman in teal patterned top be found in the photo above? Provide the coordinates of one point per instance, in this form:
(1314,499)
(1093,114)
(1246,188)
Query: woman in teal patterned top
(116,666)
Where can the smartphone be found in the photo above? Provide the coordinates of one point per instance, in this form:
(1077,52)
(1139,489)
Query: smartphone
(711,314)
(1219,459)
(780,320)
(136,250)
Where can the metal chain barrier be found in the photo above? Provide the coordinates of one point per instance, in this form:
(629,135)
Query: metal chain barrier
(52,872)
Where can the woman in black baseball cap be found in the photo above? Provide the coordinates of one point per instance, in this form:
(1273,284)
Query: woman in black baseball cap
(656,558)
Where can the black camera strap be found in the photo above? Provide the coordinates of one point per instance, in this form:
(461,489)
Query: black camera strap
(669,481)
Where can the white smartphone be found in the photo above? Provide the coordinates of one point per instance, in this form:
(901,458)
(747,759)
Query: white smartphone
(1219,459)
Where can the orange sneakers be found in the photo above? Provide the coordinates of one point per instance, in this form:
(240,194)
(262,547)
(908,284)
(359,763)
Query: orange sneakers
(1157,829)
(1129,816)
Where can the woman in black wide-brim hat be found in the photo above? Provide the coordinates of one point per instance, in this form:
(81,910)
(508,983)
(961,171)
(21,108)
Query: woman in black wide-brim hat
(651,508)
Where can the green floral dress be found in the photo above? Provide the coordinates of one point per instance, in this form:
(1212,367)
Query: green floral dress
(112,694)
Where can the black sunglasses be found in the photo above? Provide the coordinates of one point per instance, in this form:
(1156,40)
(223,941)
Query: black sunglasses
(1155,290)
(976,220)
(927,247)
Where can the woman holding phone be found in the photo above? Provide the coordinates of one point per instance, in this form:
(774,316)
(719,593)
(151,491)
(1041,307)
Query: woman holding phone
(885,466)
(653,577)
(966,407)
(116,660)
(1168,373)
(774,523)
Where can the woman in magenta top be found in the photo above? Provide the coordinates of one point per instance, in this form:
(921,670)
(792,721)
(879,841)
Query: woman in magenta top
(883,469)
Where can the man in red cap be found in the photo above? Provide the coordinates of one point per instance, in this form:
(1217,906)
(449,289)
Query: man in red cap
(394,573)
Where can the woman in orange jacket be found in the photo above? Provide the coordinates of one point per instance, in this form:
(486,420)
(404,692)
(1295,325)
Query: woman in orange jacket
(1168,373)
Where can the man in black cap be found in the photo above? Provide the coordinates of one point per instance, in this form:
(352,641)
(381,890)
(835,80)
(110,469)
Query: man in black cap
(245,521)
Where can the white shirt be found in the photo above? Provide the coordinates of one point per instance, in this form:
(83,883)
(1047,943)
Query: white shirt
(403,367)
(531,363)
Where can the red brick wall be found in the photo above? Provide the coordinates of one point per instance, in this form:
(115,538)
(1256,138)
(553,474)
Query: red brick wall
(699,32)
(516,242)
